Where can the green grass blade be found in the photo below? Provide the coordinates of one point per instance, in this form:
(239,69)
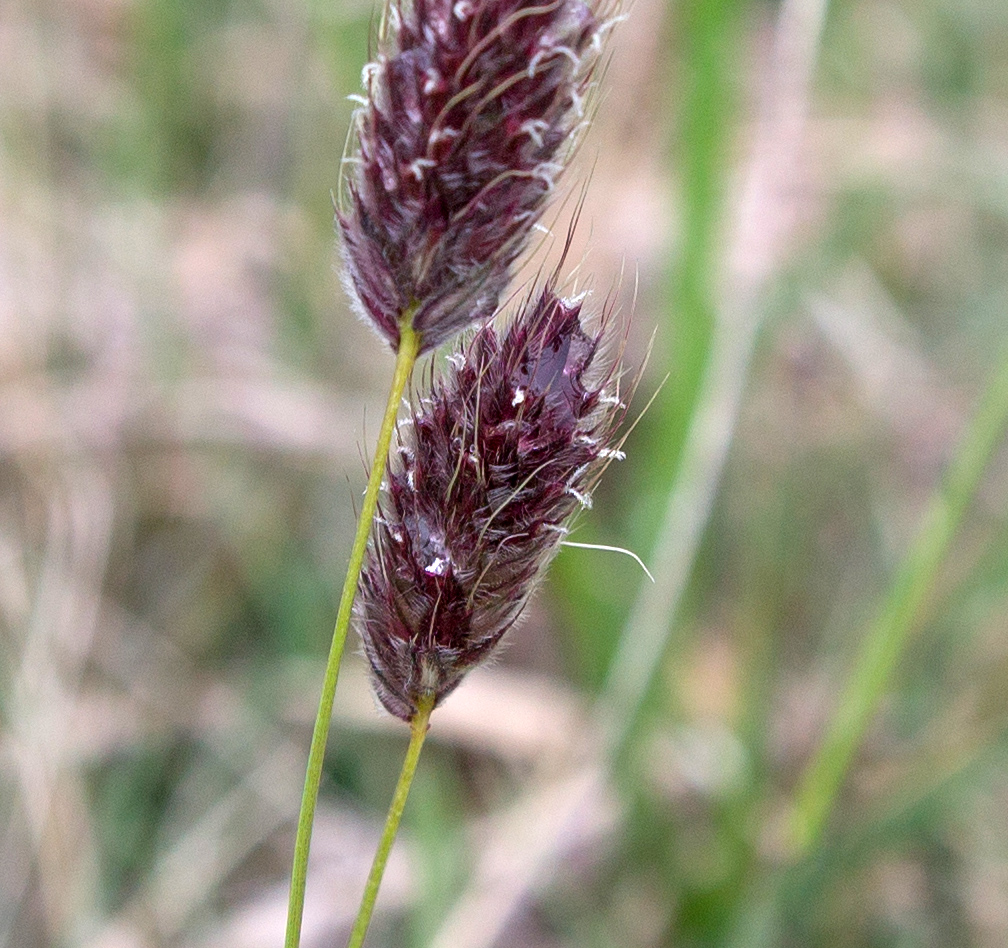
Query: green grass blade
(887,637)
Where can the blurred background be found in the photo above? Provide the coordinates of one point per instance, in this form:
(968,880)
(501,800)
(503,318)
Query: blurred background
(805,203)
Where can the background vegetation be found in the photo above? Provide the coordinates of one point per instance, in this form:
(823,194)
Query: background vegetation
(811,206)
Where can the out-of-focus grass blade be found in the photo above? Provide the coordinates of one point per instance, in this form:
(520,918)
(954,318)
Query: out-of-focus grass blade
(710,38)
(886,638)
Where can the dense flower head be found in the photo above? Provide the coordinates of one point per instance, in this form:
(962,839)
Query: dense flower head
(497,459)
(470,110)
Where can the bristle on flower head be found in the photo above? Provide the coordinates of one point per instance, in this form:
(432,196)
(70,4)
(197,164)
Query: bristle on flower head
(470,111)
(498,459)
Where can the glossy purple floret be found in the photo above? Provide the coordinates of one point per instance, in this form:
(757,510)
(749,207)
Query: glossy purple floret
(470,110)
(497,460)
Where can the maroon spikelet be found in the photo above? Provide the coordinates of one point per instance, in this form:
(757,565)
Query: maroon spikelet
(498,458)
(470,107)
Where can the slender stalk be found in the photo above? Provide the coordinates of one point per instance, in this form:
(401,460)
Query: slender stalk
(418,731)
(883,645)
(409,348)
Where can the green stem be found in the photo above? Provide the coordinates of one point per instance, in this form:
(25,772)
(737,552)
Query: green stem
(418,732)
(409,348)
(883,645)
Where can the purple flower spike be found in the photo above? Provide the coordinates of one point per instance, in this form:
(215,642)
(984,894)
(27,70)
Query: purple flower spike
(470,110)
(497,460)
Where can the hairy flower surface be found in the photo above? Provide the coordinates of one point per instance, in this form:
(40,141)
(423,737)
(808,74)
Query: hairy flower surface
(498,458)
(470,108)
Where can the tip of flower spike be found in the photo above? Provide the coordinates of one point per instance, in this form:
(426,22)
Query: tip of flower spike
(470,112)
